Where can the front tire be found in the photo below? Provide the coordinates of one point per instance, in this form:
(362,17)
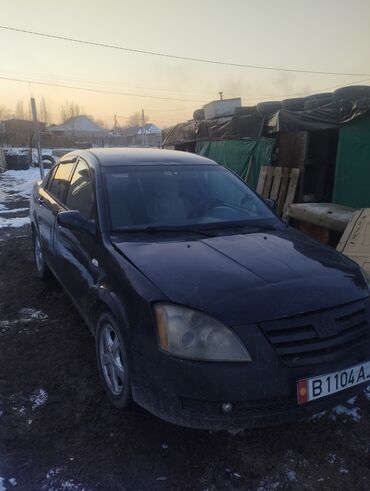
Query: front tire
(113,362)
(42,270)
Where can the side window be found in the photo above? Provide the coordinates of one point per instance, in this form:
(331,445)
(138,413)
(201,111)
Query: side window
(48,177)
(80,193)
(60,181)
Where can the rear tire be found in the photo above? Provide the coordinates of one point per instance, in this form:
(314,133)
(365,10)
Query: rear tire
(42,270)
(113,362)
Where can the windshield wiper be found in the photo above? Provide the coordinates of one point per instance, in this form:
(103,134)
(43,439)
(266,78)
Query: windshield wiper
(238,224)
(201,229)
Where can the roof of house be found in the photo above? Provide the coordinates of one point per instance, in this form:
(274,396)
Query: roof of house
(150,129)
(81,124)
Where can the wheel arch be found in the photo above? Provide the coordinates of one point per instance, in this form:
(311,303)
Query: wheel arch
(108,301)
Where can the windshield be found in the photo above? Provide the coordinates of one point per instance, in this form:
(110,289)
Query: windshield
(179,196)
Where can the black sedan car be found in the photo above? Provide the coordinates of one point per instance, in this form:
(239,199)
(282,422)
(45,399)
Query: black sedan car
(207,310)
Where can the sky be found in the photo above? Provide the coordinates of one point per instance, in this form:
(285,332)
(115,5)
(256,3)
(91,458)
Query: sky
(319,35)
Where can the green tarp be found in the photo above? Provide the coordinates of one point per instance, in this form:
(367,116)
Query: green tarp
(236,155)
(352,175)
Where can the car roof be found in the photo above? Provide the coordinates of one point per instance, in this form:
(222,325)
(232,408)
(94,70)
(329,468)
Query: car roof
(143,156)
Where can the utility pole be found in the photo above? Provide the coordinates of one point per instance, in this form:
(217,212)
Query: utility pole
(221,95)
(37,135)
(143,132)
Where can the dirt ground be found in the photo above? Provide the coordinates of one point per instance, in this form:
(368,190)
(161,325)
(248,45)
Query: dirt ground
(59,432)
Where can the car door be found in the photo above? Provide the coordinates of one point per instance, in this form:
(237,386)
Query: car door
(77,266)
(50,203)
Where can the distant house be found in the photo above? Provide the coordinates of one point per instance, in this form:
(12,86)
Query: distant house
(148,135)
(20,127)
(77,127)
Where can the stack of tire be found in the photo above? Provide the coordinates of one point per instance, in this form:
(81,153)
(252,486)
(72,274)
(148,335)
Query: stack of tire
(198,115)
(352,92)
(268,108)
(17,162)
(318,100)
(294,104)
(245,111)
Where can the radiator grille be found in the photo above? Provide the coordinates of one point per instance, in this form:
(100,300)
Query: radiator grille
(319,337)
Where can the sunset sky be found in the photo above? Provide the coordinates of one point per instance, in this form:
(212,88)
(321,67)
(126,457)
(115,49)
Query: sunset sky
(331,35)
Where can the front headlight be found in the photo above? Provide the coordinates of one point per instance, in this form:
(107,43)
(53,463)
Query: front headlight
(190,334)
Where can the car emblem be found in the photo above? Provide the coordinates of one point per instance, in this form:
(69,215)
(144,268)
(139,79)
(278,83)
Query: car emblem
(326,326)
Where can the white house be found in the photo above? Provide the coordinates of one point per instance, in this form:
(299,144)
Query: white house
(78,126)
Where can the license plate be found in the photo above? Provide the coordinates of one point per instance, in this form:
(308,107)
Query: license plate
(313,388)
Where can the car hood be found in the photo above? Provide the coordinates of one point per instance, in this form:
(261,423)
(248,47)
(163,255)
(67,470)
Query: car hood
(249,277)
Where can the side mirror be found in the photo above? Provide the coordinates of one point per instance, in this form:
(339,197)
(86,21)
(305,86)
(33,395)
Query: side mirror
(271,203)
(73,220)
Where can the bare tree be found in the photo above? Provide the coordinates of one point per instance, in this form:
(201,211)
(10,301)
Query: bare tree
(4,113)
(19,109)
(70,110)
(44,111)
(136,119)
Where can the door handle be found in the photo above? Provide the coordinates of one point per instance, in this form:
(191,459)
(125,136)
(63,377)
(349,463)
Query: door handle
(41,201)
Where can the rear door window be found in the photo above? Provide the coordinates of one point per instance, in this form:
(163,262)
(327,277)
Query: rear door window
(60,181)
(80,192)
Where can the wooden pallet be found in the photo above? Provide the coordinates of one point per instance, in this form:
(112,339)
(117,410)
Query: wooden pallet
(279,184)
(355,241)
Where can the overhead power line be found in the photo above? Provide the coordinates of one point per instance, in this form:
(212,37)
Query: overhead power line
(182,58)
(102,91)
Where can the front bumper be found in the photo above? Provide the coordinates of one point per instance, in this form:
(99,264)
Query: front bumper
(191,394)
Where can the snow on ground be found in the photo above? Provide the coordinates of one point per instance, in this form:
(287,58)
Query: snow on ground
(32,314)
(38,398)
(16,185)
(19,181)
(14,222)
(352,413)
(54,482)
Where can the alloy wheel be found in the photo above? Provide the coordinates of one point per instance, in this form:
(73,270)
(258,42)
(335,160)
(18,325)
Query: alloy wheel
(111,359)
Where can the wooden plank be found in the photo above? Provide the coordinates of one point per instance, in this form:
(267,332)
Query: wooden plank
(276,183)
(290,195)
(348,231)
(283,190)
(262,179)
(268,182)
(355,242)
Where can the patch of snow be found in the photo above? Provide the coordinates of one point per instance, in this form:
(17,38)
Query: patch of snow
(2,486)
(367,393)
(15,210)
(291,475)
(38,398)
(332,458)
(317,416)
(235,432)
(161,478)
(352,413)
(343,470)
(267,485)
(164,446)
(20,181)
(33,314)
(55,482)
(14,222)
(352,401)
(13,481)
